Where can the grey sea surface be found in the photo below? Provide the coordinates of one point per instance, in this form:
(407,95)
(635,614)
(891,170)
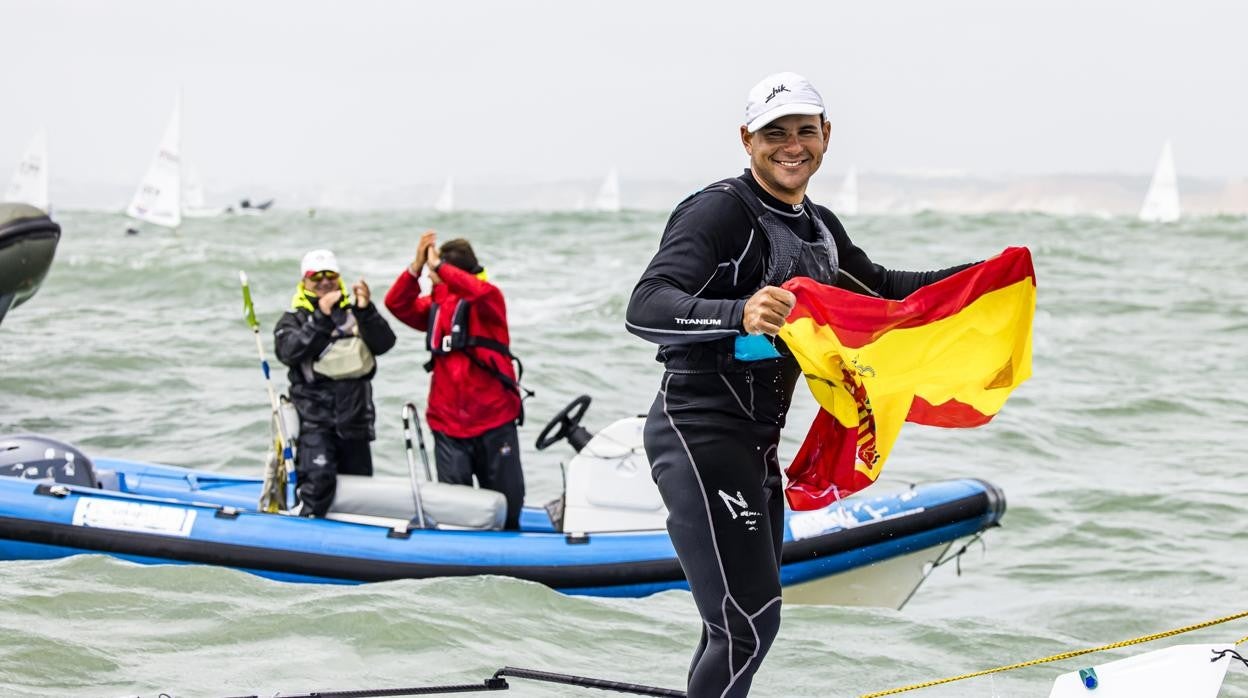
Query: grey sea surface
(1122,461)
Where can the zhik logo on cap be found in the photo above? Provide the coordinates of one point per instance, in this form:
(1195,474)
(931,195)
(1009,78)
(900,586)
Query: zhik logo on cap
(780,95)
(775,91)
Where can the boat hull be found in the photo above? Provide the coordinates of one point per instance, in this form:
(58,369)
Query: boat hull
(162,514)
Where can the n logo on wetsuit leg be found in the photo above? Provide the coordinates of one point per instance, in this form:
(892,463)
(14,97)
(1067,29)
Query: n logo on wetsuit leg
(751,517)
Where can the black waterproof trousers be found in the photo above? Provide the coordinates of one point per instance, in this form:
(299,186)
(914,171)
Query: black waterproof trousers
(711,439)
(322,456)
(493,457)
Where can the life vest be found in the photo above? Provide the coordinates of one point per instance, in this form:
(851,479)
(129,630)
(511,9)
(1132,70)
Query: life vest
(787,256)
(460,339)
(347,355)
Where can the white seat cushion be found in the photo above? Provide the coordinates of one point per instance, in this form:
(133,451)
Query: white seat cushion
(454,506)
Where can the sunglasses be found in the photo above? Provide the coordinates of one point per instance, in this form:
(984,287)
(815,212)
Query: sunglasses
(319,275)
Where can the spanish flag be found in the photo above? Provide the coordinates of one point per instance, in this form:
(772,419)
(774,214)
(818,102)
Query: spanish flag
(948,356)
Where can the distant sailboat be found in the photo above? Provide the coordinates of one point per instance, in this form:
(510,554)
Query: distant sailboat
(193,195)
(1161,204)
(30,179)
(847,198)
(247,208)
(446,199)
(609,195)
(159,197)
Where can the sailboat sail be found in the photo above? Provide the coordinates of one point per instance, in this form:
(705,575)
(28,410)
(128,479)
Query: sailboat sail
(847,197)
(193,194)
(192,190)
(1161,204)
(609,195)
(159,197)
(446,199)
(30,180)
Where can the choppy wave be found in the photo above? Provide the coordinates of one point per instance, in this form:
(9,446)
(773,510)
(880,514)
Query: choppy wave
(1120,459)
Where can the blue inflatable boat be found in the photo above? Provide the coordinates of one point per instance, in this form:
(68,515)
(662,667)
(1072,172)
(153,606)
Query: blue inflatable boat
(603,537)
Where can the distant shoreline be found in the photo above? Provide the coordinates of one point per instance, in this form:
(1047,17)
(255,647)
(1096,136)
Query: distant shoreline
(879,193)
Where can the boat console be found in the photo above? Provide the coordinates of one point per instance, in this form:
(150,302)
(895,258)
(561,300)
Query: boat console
(607,484)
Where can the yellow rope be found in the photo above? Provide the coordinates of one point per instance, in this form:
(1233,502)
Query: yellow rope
(1064,655)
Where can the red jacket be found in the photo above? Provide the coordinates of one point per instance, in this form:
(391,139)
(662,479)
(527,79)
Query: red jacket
(465,400)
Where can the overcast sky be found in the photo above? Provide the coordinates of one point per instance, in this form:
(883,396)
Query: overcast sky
(300,92)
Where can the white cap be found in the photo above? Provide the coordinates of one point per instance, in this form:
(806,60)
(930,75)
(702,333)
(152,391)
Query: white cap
(318,260)
(780,95)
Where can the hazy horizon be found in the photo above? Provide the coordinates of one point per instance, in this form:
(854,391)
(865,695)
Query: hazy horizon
(286,96)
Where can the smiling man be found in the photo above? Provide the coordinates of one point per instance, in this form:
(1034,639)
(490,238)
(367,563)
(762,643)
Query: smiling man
(711,299)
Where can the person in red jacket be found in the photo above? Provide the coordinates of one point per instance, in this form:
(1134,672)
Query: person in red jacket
(474,395)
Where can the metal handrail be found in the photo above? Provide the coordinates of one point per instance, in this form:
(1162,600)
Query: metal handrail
(409,411)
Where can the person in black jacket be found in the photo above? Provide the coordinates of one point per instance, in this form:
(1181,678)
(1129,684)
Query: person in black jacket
(329,343)
(711,299)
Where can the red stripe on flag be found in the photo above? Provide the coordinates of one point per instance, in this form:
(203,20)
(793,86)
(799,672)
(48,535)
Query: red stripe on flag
(861,320)
(823,469)
(951,414)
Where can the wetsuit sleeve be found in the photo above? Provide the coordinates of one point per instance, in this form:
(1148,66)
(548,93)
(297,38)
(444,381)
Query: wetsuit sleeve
(374,329)
(667,305)
(899,284)
(298,336)
(859,274)
(404,301)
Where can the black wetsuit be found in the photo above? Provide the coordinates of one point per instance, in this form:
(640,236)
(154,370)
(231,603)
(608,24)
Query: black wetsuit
(713,430)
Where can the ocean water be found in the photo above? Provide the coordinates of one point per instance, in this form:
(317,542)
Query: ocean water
(1121,459)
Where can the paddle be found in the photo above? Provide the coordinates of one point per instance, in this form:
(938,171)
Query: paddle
(273,494)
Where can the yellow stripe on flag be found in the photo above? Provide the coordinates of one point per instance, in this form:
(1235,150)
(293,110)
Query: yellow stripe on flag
(948,355)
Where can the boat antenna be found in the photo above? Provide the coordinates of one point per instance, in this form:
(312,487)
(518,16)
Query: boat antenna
(273,494)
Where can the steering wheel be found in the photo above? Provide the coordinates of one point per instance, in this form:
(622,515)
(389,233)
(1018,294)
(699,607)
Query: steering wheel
(568,419)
